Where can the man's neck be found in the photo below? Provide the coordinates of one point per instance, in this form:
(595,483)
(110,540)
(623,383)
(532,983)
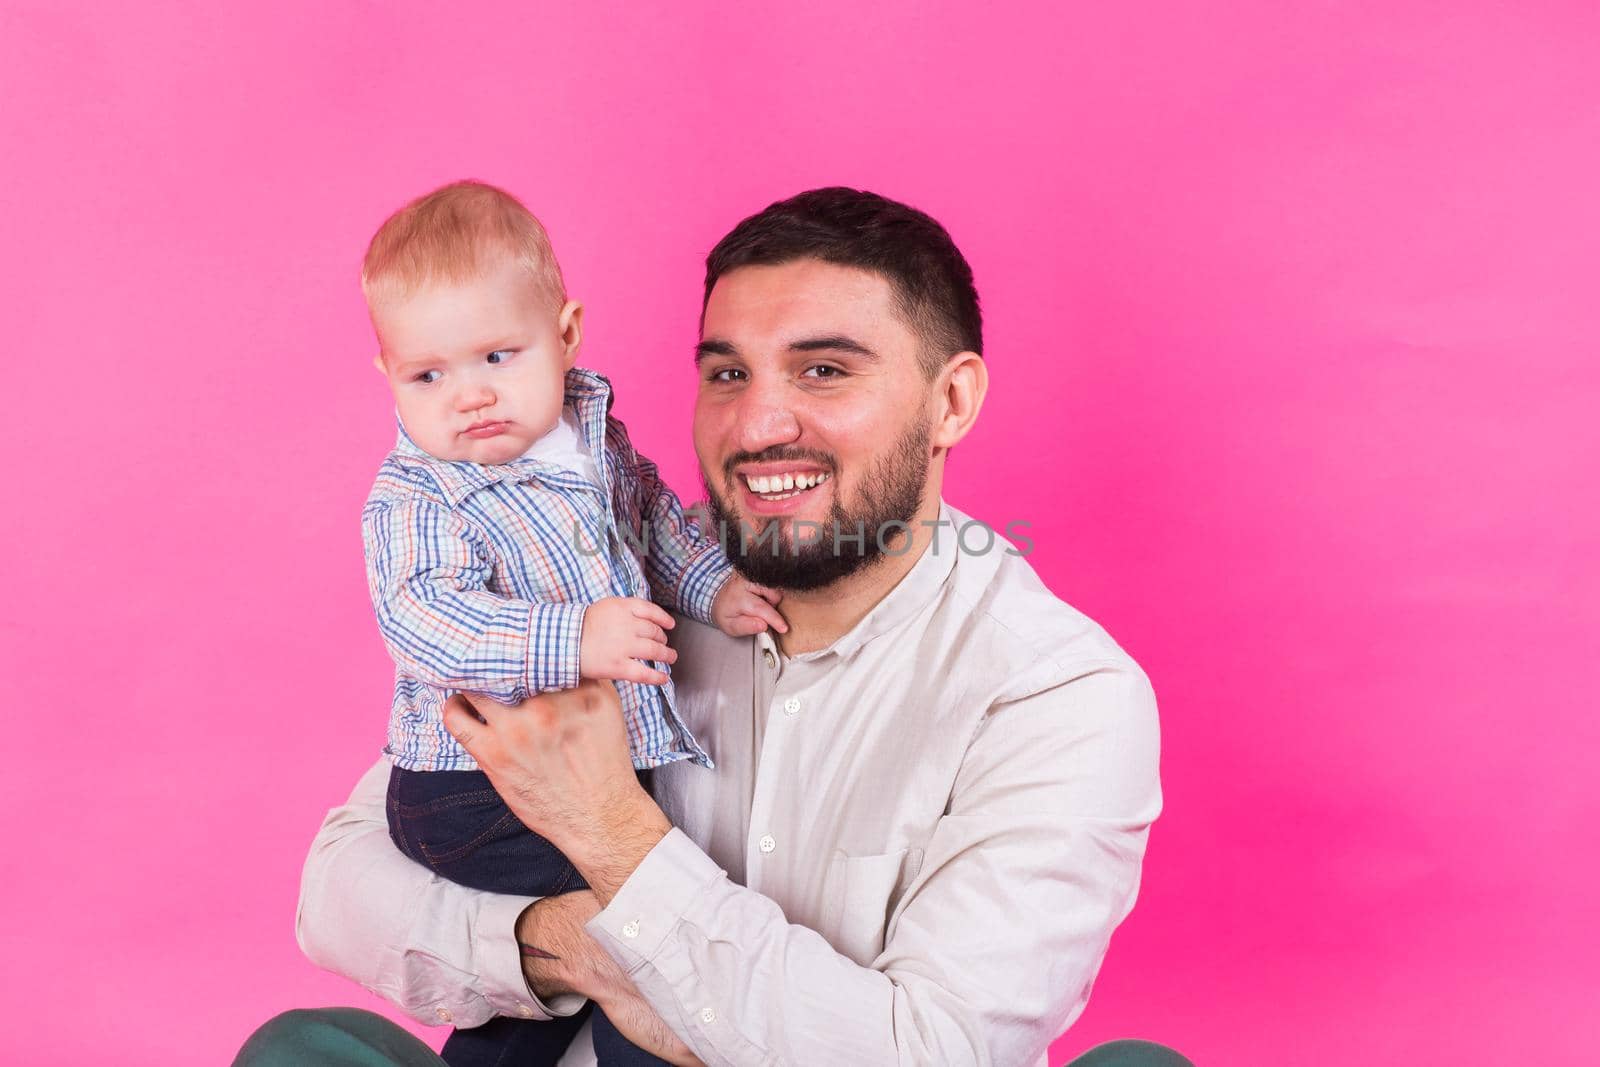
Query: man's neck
(819,617)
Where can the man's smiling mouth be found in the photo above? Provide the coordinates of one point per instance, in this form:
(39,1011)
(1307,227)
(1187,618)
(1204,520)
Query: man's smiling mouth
(785,485)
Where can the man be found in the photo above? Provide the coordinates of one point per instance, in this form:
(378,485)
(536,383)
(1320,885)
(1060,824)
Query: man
(931,795)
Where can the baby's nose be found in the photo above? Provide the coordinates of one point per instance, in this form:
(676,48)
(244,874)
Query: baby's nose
(474,397)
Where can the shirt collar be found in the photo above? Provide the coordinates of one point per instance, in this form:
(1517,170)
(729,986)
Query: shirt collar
(587,393)
(909,596)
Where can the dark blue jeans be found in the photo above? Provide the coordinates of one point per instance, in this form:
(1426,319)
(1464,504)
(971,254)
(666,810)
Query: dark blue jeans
(455,824)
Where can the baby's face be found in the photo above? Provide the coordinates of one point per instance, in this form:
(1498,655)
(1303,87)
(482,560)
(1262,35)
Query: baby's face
(478,369)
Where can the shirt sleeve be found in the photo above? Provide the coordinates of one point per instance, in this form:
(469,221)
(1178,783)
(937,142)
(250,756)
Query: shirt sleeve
(440,952)
(685,567)
(428,571)
(992,948)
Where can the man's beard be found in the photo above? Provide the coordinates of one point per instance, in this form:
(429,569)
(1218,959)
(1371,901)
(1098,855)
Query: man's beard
(890,495)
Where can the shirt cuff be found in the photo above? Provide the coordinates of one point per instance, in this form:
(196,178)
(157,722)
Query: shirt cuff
(701,581)
(499,964)
(671,877)
(555,642)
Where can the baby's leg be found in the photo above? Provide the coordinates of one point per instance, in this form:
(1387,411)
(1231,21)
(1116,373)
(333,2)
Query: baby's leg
(454,823)
(504,1042)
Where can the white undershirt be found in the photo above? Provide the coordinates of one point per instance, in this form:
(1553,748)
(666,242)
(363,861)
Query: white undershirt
(565,447)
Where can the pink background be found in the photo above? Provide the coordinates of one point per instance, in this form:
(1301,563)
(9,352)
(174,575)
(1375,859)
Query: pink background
(1293,333)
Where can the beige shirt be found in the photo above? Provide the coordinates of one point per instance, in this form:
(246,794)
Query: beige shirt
(913,848)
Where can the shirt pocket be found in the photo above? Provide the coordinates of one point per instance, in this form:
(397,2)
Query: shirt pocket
(861,894)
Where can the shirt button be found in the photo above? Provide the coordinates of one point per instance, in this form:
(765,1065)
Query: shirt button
(791,706)
(444,1014)
(526,1010)
(707,1015)
(630,928)
(772,661)
(766,844)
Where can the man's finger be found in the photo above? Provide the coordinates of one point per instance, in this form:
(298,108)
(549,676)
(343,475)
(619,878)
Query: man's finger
(486,709)
(599,694)
(652,631)
(766,592)
(464,724)
(468,702)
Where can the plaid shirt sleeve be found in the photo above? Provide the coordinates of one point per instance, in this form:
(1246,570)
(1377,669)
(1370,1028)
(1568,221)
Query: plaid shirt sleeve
(428,571)
(685,567)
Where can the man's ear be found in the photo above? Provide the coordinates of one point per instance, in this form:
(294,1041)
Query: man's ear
(570,324)
(958,395)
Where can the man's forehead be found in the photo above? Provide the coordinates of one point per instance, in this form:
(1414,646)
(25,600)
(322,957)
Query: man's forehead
(763,302)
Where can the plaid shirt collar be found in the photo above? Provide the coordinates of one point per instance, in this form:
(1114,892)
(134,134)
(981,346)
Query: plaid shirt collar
(587,393)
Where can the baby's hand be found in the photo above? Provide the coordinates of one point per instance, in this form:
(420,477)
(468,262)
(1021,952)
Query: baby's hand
(743,608)
(619,634)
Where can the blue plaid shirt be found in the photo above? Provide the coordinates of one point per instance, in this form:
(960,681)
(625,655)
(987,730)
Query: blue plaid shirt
(481,575)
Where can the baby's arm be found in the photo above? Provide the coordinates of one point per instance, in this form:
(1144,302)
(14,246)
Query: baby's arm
(687,569)
(428,571)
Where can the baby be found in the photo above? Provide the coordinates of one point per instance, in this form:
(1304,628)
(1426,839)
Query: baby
(500,541)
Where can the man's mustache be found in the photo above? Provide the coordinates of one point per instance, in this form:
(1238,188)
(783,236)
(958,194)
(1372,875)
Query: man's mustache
(778,454)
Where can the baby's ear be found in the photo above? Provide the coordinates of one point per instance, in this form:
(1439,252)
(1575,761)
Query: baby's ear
(570,324)
(377,362)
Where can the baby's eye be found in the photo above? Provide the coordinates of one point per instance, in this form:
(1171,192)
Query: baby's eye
(500,355)
(428,376)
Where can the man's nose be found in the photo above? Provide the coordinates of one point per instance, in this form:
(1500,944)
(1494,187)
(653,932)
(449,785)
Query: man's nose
(765,420)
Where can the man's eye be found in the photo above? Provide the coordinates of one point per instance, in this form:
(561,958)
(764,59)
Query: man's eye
(428,376)
(824,370)
(500,355)
(727,374)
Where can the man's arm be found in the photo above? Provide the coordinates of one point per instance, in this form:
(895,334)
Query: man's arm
(440,952)
(445,954)
(991,950)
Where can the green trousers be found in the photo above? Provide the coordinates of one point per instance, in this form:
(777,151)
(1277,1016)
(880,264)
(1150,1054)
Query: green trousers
(350,1037)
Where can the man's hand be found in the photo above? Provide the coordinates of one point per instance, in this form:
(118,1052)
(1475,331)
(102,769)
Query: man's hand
(743,608)
(558,956)
(560,762)
(620,633)
(637,1021)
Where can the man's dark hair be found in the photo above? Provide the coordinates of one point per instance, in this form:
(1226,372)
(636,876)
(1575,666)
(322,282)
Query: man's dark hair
(931,281)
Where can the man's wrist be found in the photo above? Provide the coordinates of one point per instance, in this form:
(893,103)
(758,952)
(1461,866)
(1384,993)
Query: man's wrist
(557,954)
(623,836)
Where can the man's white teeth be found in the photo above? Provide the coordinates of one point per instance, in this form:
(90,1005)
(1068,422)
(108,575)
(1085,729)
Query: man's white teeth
(783,483)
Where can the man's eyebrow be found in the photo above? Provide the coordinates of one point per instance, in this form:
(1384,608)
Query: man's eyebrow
(713,348)
(836,342)
(833,342)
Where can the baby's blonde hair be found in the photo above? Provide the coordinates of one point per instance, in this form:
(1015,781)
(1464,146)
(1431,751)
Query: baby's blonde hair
(457,234)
